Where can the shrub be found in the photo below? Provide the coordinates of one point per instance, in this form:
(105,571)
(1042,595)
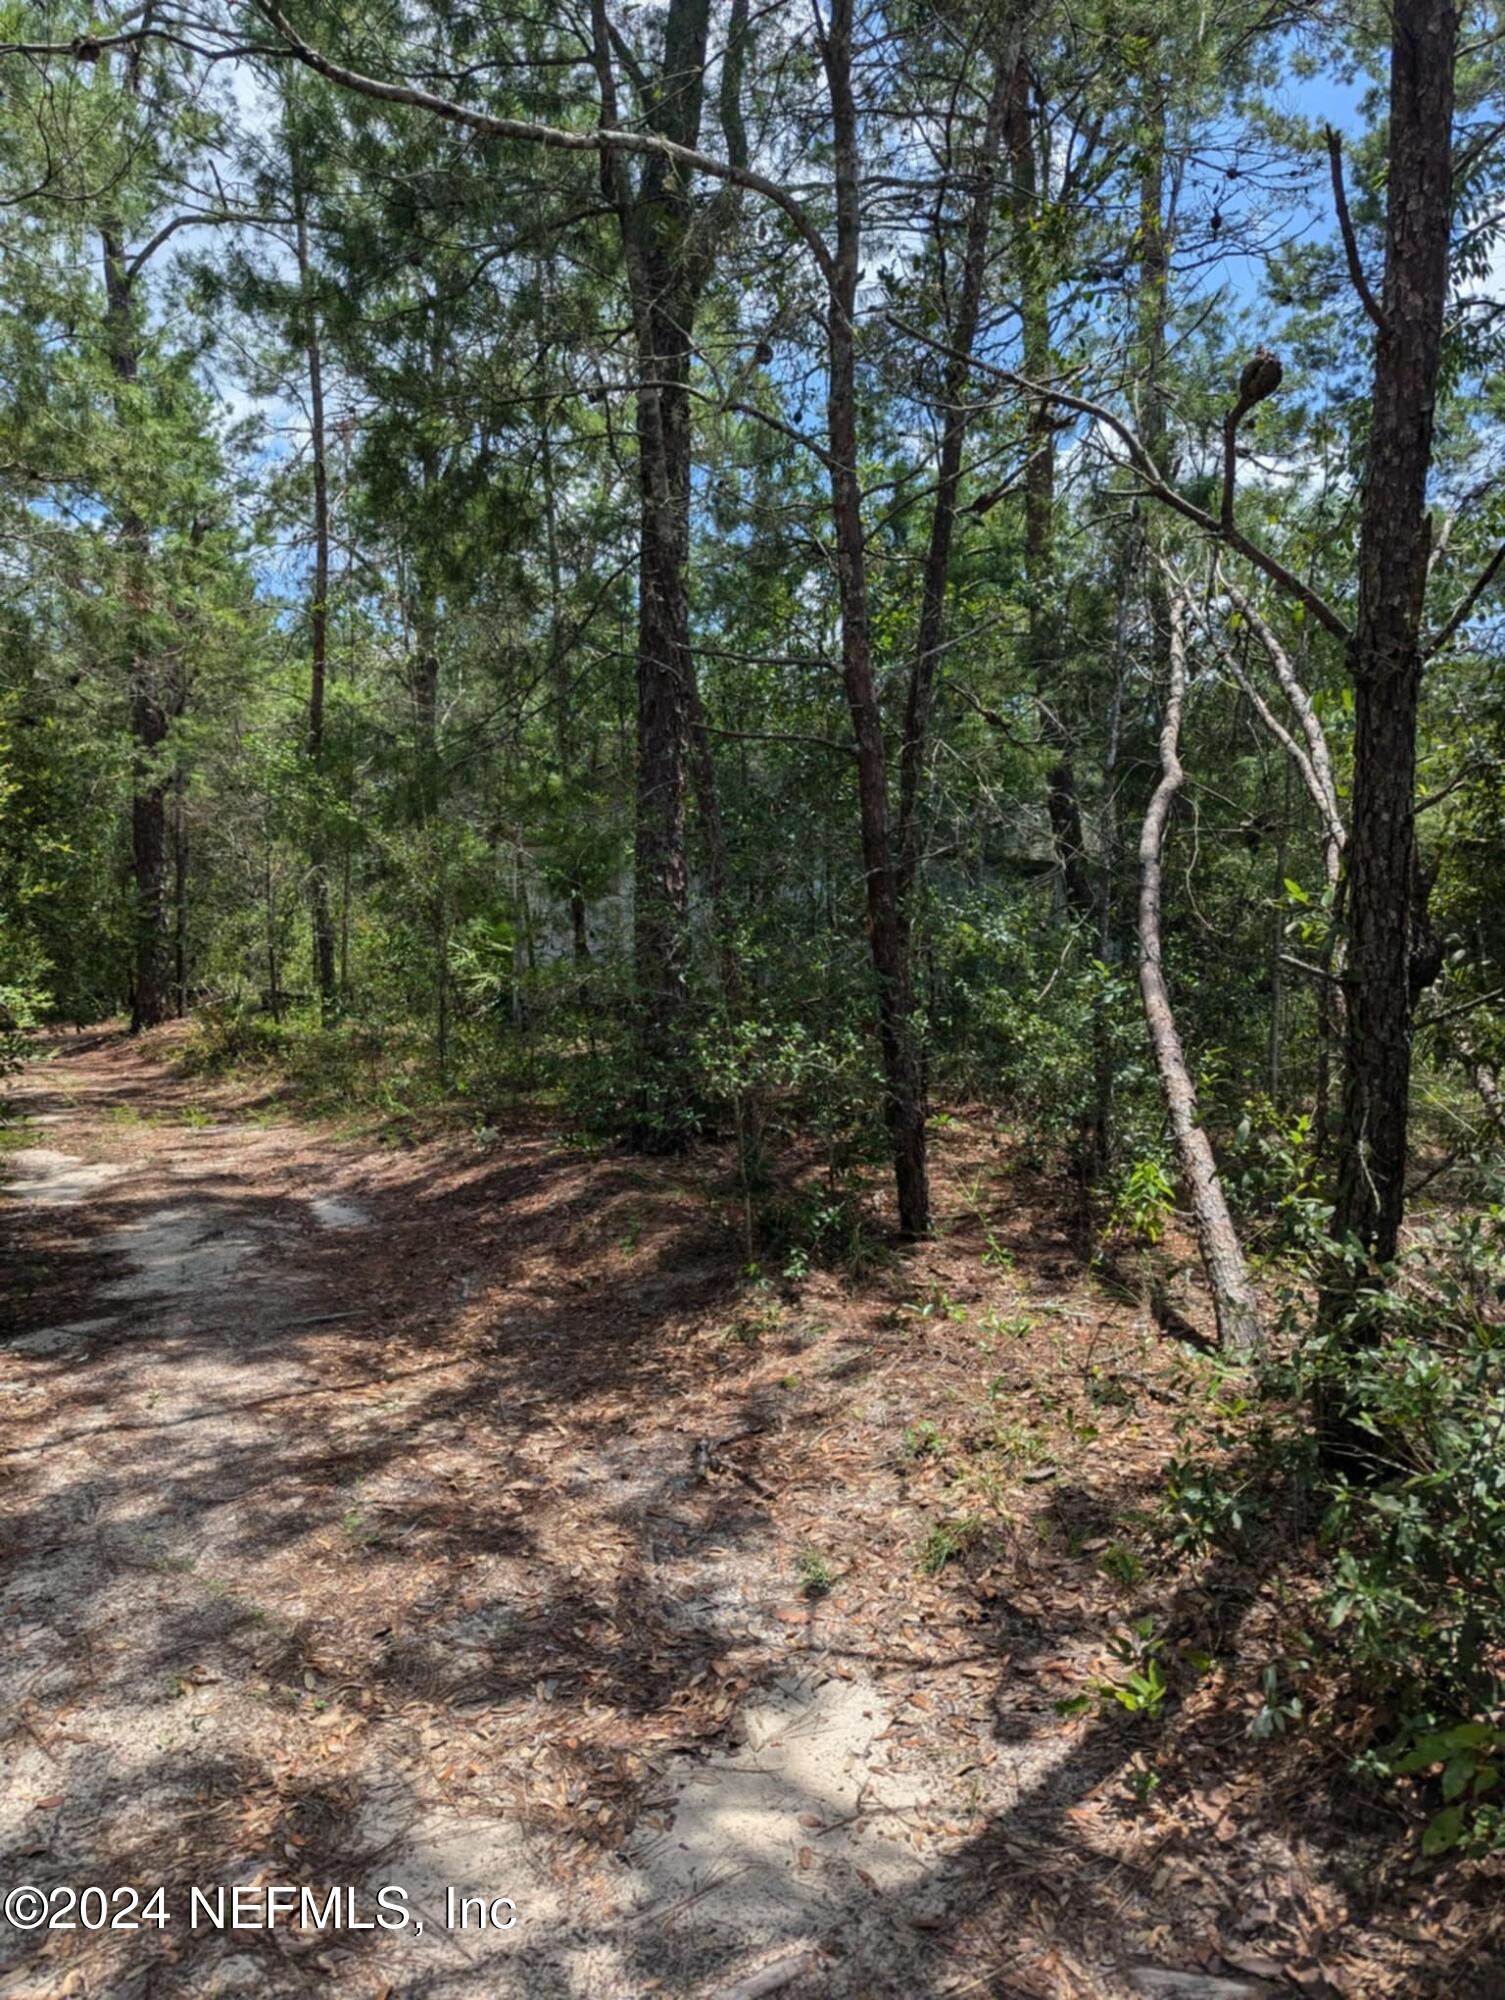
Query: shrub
(24,999)
(228,1038)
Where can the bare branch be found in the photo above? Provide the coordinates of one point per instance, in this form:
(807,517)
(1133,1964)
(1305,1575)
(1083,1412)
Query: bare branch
(1461,1007)
(1227,1275)
(1155,482)
(1457,616)
(1306,713)
(1350,241)
(209,219)
(783,736)
(1318,972)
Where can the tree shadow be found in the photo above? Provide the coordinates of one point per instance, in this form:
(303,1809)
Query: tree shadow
(439,1583)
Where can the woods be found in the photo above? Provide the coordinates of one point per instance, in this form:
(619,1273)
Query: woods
(774,585)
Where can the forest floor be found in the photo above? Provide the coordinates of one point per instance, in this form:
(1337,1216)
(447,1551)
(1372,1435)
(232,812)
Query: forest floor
(447,1517)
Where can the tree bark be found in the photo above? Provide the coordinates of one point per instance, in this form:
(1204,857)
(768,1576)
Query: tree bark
(1043,648)
(1222,1259)
(1386,908)
(948,484)
(180,892)
(904,1096)
(152,963)
(1100,1139)
(666,273)
(321,923)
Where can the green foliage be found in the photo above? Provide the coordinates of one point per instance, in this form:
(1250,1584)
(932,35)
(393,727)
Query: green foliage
(924,1440)
(225,1039)
(1410,1540)
(1208,1506)
(1274,1176)
(1145,1200)
(817,1573)
(24,994)
(1123,1564)
(804,1226)
(1140,1688)
(1280,1708)
(947,1542)
(1461,1765)
(1417,1596)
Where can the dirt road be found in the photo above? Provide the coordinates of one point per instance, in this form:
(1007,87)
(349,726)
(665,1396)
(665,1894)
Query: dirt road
(437,1519)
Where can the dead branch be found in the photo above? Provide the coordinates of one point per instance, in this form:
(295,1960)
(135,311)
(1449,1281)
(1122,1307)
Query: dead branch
(1367,299)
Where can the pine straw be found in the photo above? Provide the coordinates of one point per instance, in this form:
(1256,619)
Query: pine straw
(474,1546)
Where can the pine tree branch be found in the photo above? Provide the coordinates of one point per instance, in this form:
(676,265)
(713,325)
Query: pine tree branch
(601,140)
(1350,241)
(1155,482)
(1466,603)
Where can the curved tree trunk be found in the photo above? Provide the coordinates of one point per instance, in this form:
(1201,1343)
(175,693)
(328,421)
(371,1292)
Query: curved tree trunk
(937,572)
(1222,1259)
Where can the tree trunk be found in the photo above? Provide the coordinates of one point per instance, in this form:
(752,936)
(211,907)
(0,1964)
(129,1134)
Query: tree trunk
(1222,1259)
(318,874)
(424,686)
(180,892)
(937,571)
(559,680)
(660,867)
(1276,961)
(718,881)
(579,944)
(274,967)
(904,1103)
(1100,1141)
(152,977)
(665,278)
(1043,647)
(1386,910)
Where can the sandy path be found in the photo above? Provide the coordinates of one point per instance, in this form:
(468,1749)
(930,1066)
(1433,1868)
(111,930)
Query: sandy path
(437,1517)
(293,1598)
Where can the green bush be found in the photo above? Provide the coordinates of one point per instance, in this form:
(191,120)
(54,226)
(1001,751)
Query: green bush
(223,1039)
(1416,1596)
(24,999)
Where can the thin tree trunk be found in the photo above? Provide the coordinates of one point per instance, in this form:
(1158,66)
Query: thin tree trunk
(1222,1259)
(1276,1043)
(318,875)
(903,1077)
(345,872)
(152,976)
(559,680)
(1043,647)
(1100,1148)
(666,273)
(180,890)
(1316,768)
(274,973)
(1314,764)
(948,485)
(1485,1082)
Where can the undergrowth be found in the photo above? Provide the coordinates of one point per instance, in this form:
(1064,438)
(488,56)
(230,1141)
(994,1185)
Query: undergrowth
(1405,1547)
